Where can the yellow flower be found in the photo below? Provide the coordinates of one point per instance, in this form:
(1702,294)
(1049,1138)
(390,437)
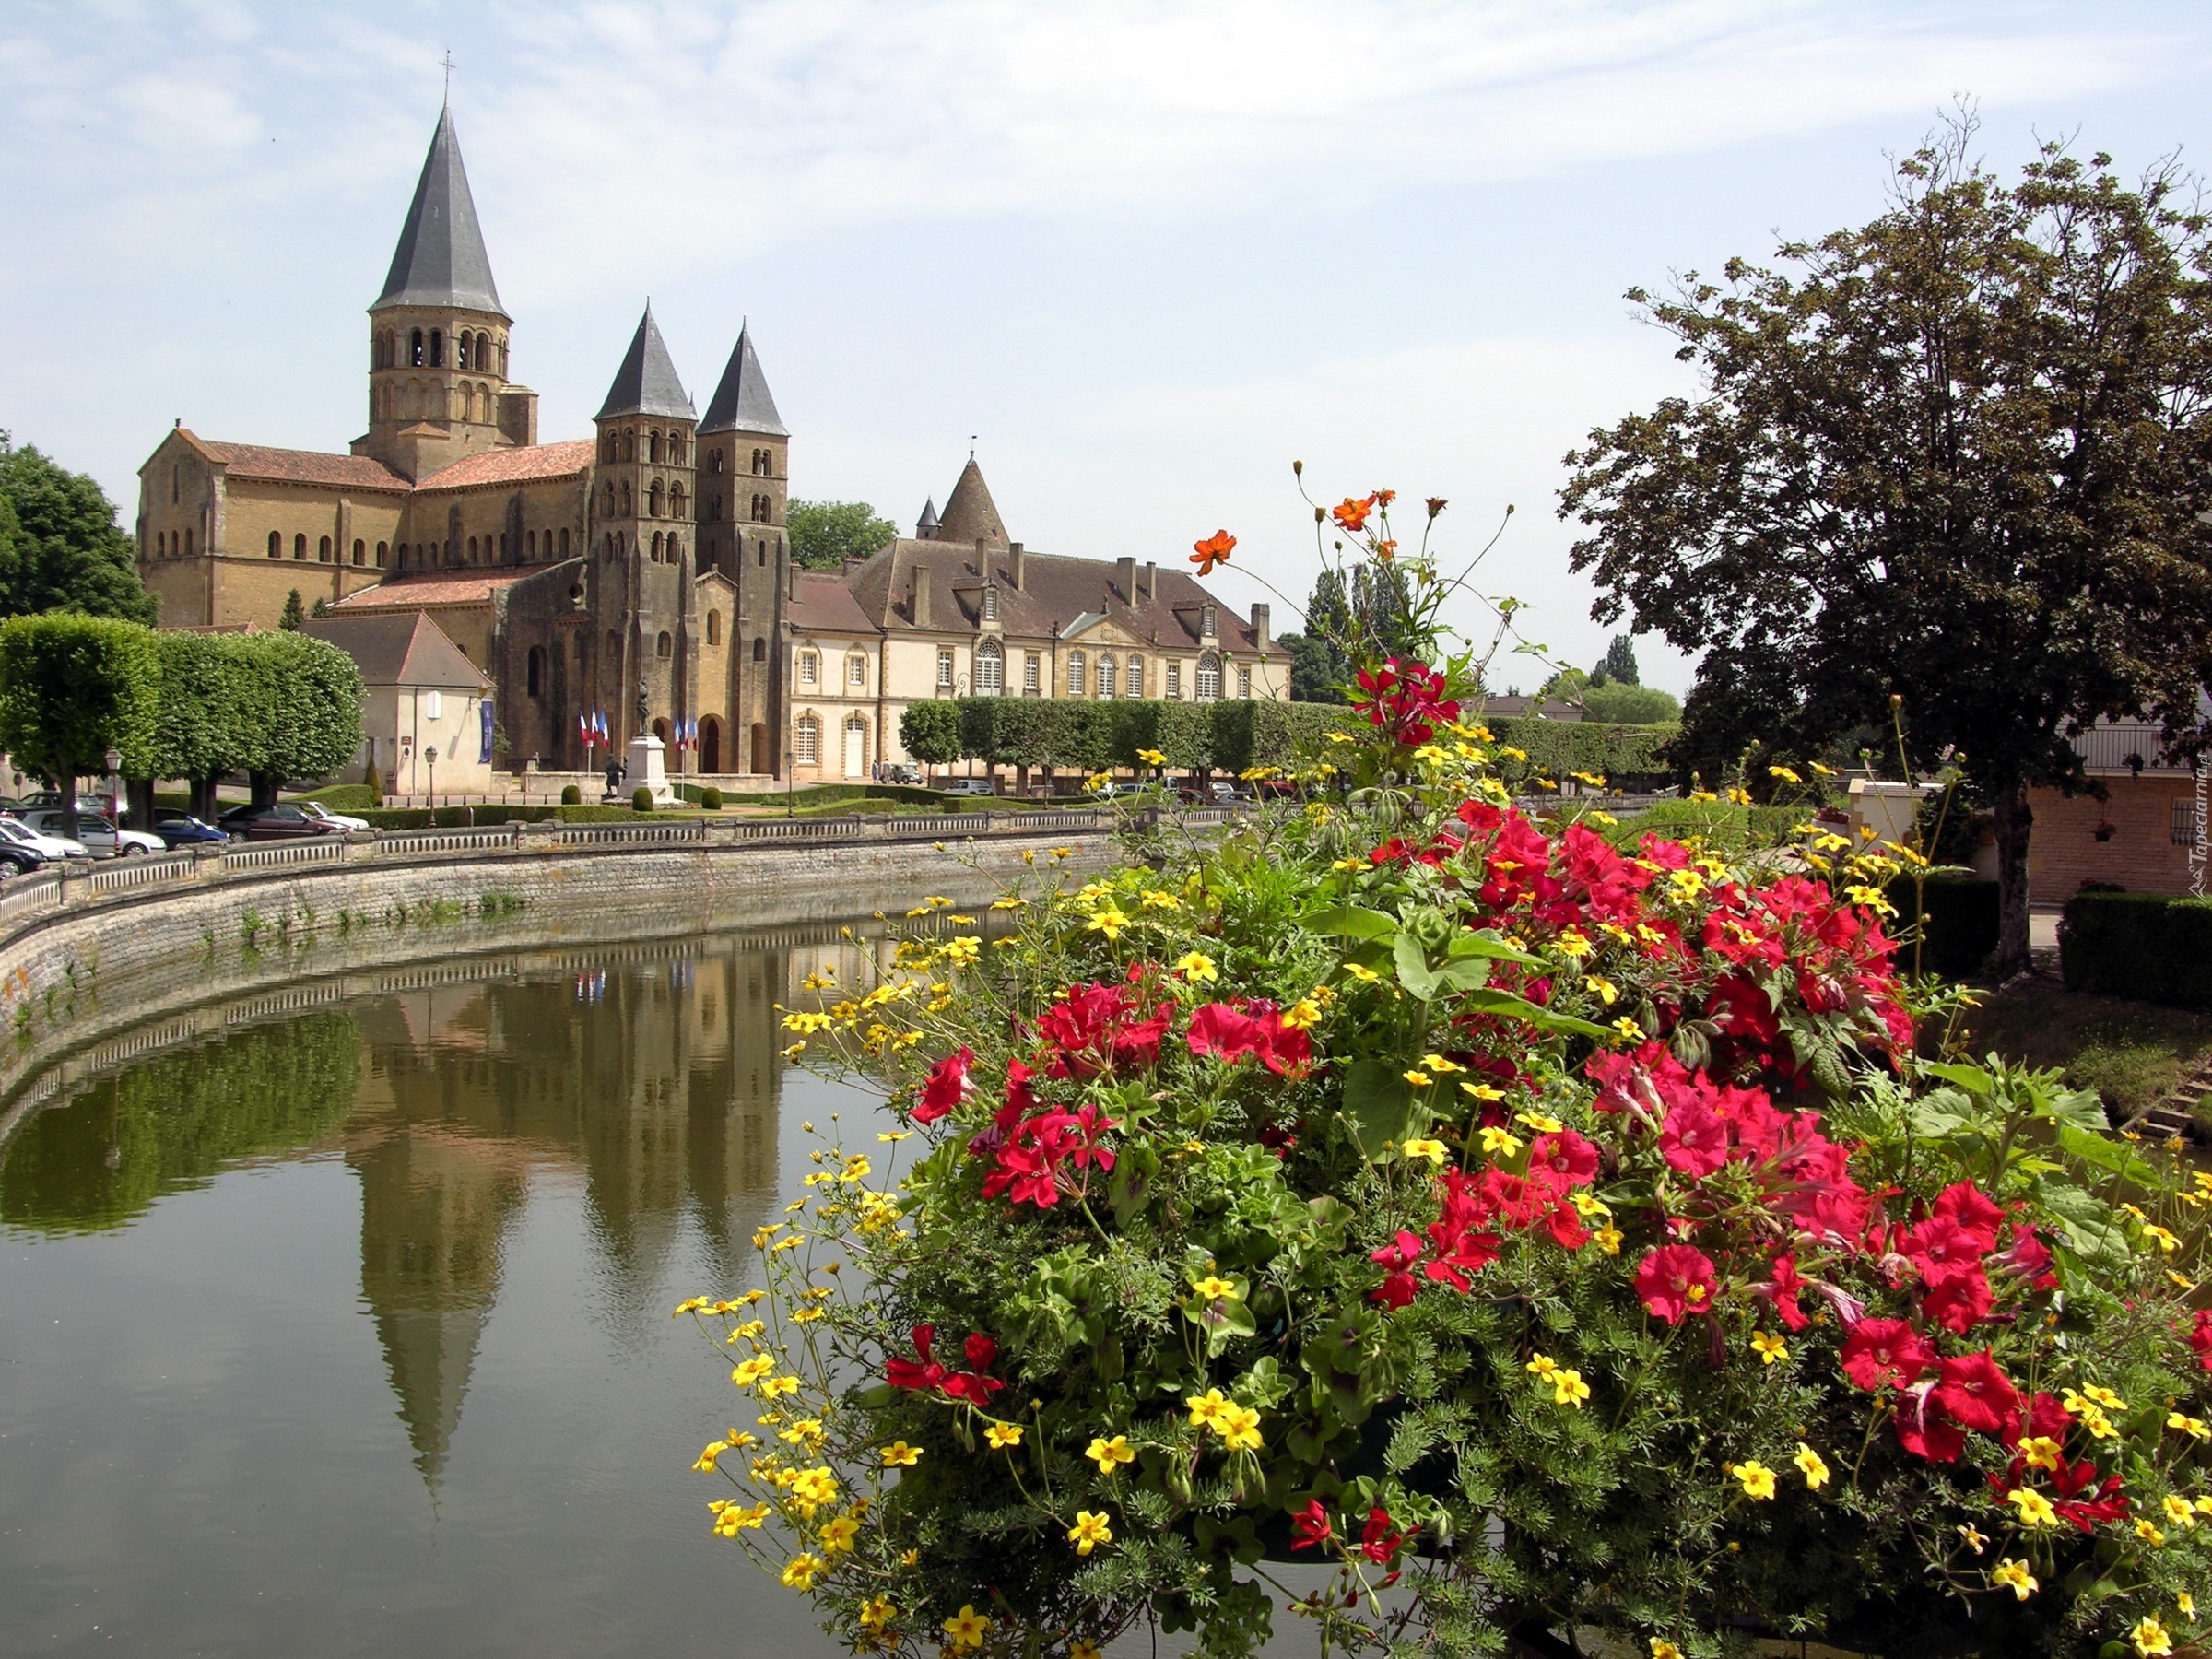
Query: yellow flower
(1609,1238)
(812,1488)
(730,1519)
(1197,968)
(1002,1435)
(2104,1397)
(876,1613)
(1501,1143)
(1757,1478)
(705,1465)
(1438,1063)
(2040,1452)
(1212,1289)
(1541,1124)
(1433,1150)
(1630,1031)
(1541,1366)
(836,1538)
(1784,773)
(2150,1534)
(1239,1427)
(1972,1538)
(1089,1531)
(2013,1576)
(2186,1603)
(2150,1637)
(966,1629)
(1419,1079)
(776,1387)
(1568,1388)
(964,951)
(1151,757)
(1663,1648)
(1110,1454)
(1605,990)
(2178,1511)
(803,1569)
(1813,1466)
(1771,1349)
(2192,1426)
(1482,1091)
(1303,1015)
(1098,780)
(1083,1648)
(752,1370)
(1206,1409)
(2034,1508)
(900,1455)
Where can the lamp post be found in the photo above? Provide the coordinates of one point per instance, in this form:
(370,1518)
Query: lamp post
(430,755)
(115,759)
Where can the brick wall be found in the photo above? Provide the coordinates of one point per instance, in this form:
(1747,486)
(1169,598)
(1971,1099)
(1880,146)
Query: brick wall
(2140,855)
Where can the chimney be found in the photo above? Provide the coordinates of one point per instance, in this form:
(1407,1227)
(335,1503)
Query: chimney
(1124,578)
(1151,581)
(1015,561)
(1260,616)
(793,568)
(921,604)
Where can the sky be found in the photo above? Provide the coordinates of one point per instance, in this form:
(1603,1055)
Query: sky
(1141,257)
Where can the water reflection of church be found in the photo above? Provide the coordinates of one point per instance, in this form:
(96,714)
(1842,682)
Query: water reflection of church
(664,1102)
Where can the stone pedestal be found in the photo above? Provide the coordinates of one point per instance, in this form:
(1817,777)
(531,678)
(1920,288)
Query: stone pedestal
(648,768)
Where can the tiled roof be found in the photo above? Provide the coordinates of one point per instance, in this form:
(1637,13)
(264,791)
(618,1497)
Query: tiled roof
(304,466)
(825,605)
(433,587)
(399,649)
(514,465)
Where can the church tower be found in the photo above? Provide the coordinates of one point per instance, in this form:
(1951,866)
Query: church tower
(745,473)
(645,488)
(438,385)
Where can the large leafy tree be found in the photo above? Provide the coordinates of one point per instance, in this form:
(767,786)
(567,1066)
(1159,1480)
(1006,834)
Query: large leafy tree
(204,728)
(299,709)
(71,688)
(60,547)
(825,534)
(1955,457)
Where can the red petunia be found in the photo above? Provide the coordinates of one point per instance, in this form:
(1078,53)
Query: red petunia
(1571,1159)
(1881,1352)
(1923,1430)
(1676,1279)
(947,1088)
(1959,1301)
(2200,1338)
(1975,1392)
(1693,1139)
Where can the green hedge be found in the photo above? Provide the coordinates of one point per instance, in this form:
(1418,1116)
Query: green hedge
(825,794)
(1233,734)
(341,797)
(1962,928)
(1557,748)
(2143,945)
(493,814)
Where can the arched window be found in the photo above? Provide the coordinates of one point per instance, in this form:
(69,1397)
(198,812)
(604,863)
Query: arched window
(382,551)
(322,551)
(652,450)
(713,509)
(537,672)
(652,500)
(472,549)
(484,406)
(678,449)
(676,501)
(461,349)
(360,550)
(675,547)
(607,551)
(414,355)
(807,741)
(436,348)
(608,494)
(621,544)
(187,541)
(713,627)
(761,651)
(1209,677)
(607,449)
(656,555)
(299,546)
(1076,666)
(709,744)
(990,669)
(275,544)
(1106,678)
(530,544)
(1133,677)
(714,462)
(760,555)
(564,542)
(629,443)
(627,499)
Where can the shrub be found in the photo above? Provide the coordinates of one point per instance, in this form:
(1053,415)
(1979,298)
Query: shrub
(395,817)
(711,798)
(452,818)
(344,797)
(571,796)
(2138,945)
(640,799)
(1962,926)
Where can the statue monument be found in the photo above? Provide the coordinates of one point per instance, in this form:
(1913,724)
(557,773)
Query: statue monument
(647,754)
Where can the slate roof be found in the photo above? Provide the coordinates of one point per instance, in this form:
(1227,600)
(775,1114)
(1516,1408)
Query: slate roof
(1056,591)
(514,465)
(411,591)
(647,382)
(825,606)
(1514,708)
(741,402)
(440,258)
(402,649)
(971,515)
(303,466)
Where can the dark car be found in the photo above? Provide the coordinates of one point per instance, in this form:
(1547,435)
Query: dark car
(280,822)
(181,829)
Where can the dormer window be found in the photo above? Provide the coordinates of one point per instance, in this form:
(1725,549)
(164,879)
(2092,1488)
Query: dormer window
(1205,623)
(990,605)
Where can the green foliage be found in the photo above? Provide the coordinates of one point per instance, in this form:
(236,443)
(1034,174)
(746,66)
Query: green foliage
(348,798)
(294,614)
(1624,703)
(60,547)
(1732,832)
(301,706)
(571,796)
(711,798)
(2142,946)
(452,818)
(1617,667)
(1960,929)
(825,534)
(200,728)
(1233,734)
(73,686)
(1557,748)
(930,731)
(1316,672)
(640,799)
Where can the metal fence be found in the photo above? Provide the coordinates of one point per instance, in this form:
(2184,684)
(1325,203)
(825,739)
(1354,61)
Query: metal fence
(2123,746)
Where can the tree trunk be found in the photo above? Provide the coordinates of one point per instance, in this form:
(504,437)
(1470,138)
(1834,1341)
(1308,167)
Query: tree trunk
(263,788)
(139,791)
(67,784)
(202,799)
(2014,821)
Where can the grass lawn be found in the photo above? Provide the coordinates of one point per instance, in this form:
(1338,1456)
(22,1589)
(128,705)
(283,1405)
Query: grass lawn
(2132,1053)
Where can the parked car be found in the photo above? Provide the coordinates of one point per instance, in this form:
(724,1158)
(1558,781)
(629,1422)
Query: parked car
(969,786)
(102,839)
(85,803)
(16,858)
(181,829)
(50,849)
(898,772)
(322,814)
(284,821)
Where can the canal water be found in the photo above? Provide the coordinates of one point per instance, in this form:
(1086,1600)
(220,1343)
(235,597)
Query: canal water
(335,1322)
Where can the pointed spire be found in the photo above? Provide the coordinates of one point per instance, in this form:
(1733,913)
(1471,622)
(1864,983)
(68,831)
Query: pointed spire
(970,513)
(926,528)
(647,381)
(741,402)
(440,258)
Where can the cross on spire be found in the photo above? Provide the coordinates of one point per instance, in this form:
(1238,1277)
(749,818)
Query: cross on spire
(449,76)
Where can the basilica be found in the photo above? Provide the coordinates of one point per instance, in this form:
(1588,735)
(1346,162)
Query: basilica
(640,579)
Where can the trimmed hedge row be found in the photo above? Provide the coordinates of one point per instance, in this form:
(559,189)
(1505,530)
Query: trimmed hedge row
(2144,945)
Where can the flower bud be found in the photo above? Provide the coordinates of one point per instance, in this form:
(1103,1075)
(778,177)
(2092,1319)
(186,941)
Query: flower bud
(1297,468)
(1896,701)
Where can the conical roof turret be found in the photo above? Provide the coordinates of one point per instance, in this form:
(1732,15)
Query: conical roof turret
(741,402)
(440,258)
(647,382)
(926,528)
(970,513)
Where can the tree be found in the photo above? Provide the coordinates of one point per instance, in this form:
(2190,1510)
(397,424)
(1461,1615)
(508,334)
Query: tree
(294,613)
(301,709)
(930,731)
(1314,674)
(71,688)
(202,729)
(825,534)
(1954,457)
(60,547)
(1624,703)
(1618,664)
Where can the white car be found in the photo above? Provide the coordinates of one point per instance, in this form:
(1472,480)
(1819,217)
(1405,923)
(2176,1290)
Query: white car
(323,814)
(969,786)
(52,848)
(96,835)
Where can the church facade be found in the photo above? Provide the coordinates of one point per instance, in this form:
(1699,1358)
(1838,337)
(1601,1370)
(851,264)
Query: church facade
(642,577)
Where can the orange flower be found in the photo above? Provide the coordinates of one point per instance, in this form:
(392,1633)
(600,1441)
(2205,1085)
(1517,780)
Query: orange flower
(1384,498)
(1351,517)
(1386,551)
(1212,551)
(1436,505)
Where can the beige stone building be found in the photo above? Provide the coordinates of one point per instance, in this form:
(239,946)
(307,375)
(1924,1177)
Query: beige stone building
(428,719)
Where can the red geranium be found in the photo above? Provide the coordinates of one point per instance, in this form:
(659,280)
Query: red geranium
(947,1088)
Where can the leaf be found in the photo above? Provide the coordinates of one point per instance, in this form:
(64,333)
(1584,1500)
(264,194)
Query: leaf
(2081,1107)
(1971,1079)
(1516,1007)
(1350,919)
(2091,1232)
(1412,968)
(1378,1102)
(1486,942)
(1130,1186)
(2101,1152)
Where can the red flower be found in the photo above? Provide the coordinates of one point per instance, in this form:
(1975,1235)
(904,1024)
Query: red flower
(1405,699)
(2200,1338)
(1351,516)
(1879,1352)
(1095,1027)
(1976,1394)
(1942,1248)
(1309,1528)
(2031,1257)
(1377,1542)
(1676,1279)
(1963,1203)
(1781,1291)
(981,1352)
(1572,1160)
(1398,1285)
(1693,1139)
(947,1088)
(1960,1300)
(1257,1028)
(1212,551)
(1923,1431)
(924,1372)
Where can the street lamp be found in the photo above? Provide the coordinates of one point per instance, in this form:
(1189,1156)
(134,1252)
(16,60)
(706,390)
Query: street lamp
(430,755)
(115,759)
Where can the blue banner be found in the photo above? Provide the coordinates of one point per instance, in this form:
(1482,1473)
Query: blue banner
(485,707)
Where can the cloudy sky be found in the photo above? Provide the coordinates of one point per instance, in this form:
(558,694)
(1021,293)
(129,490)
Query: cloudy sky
(1145,254)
